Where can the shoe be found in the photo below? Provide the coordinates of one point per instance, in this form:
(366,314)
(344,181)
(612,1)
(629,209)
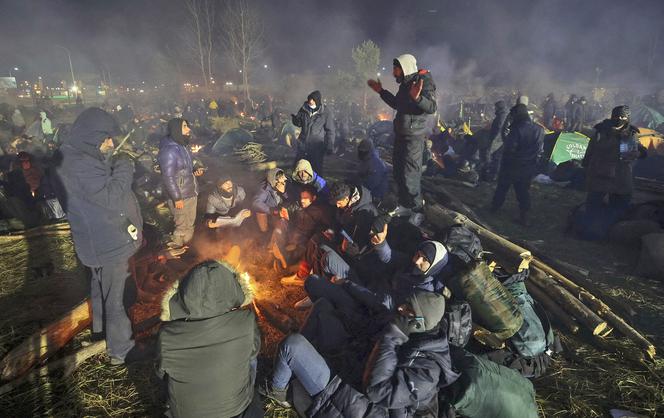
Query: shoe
(176,252)
(292,280)
(114,361)
(416,218)
(139,353)
(277,395)
(523,220)
(172,244)
(302,304)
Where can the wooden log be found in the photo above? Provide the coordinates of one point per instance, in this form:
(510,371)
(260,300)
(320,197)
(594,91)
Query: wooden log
(435,212)
(581,312)
(550,306)
(488,338)
(275,317)
(45,342)
(69,364)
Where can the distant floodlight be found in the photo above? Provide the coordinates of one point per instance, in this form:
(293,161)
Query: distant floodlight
(15,68)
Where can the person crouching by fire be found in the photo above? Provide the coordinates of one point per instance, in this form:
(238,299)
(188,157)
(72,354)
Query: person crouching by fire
(224,205)
(208,344)
(269,202)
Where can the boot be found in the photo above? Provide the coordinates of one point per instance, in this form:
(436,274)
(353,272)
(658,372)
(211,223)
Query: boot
(523,219)
(292,280)
(277,395)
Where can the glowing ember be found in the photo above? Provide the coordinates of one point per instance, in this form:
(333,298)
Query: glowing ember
(383,116)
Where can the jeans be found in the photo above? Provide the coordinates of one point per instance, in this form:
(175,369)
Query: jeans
(298,357)
(107,290)
(407,169)
(318,287)
(184,221)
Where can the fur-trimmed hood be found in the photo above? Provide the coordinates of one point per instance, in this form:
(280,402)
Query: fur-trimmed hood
(210,289)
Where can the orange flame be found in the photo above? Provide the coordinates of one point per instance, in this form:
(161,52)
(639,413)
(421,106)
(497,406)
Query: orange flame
(383,116)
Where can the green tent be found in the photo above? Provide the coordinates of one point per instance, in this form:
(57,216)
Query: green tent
(647,117)
(569,146)
(231,139)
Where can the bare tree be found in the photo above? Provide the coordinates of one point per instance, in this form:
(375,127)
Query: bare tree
(199,36)
(243,36)
(366,57)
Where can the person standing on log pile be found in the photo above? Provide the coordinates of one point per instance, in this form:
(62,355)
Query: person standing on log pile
(179,176)
(317,134)
(414,102)
(106,223)
(609,159)
(522,148)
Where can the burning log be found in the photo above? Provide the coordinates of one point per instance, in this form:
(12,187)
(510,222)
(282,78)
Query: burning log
(44,343)
(274,316)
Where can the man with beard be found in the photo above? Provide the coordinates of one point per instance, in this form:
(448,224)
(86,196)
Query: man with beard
(522,148)
(222,205)
(317,134)
(179,176)
(105,221)
(609,160)
(415,100)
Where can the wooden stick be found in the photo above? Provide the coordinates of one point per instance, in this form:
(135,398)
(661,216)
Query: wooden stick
(45,342)
(595,324)
(550,306)
(69,363)
(435,212)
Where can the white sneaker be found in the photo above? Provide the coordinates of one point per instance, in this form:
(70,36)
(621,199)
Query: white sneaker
(292,280)
(305,303)
(401,211)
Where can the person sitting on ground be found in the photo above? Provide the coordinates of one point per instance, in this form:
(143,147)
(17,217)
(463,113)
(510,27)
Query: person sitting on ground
(372,171)
(223,205)
(314,216)
(355,214)
(208,344)
(407,367)
(305,175)
(269,202)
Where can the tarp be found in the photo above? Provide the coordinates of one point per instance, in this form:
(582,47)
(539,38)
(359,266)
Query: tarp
(231,139)
(646,116)
(652,140)
(569,146)
(289,133)
(382,133)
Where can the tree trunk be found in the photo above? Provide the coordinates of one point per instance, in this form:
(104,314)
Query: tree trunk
(550,306)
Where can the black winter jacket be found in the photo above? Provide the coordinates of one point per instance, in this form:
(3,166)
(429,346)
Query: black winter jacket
(317,125)
(99,201)
(356,220)
(522,148)
(403,377)
(412,115)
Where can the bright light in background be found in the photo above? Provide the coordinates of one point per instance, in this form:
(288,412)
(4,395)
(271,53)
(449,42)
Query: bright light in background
(74,89)
(378,74)
(265,66)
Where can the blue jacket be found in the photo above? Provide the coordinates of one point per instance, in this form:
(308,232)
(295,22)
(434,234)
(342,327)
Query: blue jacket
(267,199)
(374,175)
(98,198)
(177,170)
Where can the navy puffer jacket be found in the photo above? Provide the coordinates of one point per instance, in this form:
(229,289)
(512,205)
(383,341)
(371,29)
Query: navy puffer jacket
(177,170)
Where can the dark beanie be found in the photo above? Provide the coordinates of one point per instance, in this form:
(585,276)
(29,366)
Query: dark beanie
(338,191)
(430,307)
(365,148)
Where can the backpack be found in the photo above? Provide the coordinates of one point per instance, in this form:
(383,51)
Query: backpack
(459,323)
(463,243)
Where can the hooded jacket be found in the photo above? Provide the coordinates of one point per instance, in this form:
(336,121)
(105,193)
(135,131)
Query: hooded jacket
(207,343)
(607,170)
(315,180)
(317,124)
(268,199)
(99,201)
(411,115)
(177,166)
(522,146)
(357,218)
(372,171)
(403,376)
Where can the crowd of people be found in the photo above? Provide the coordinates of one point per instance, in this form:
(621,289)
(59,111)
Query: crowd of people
(389,322)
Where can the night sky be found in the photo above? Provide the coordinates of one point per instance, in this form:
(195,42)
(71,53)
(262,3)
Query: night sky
(497,41)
